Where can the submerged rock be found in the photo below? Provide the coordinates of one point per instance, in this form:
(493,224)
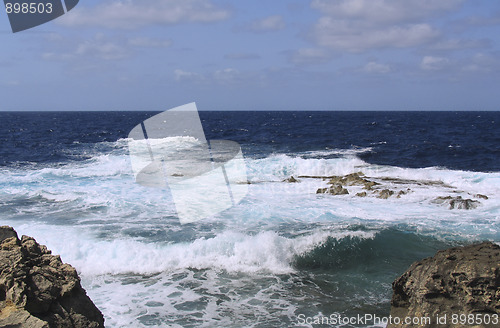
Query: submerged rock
(403,192)
(384,194)
(456,281)
(291,179)
(333,190)
(38,290)
(457,202)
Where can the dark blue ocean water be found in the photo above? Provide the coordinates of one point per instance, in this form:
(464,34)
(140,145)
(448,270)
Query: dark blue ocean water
(455,140)
(283,251)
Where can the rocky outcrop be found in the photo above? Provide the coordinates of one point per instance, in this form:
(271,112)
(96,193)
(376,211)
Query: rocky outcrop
(333,190)
(360,185)
(37,290)
(457,281)
(291,179)
(458,202)
(353,179)
(385,193)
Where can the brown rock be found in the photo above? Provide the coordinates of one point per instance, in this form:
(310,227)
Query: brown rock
(333,190)
(38,290)
(457,202)
(361,194)
(403,192)
(337,190)
(291,179)
(460,280)
(384,194)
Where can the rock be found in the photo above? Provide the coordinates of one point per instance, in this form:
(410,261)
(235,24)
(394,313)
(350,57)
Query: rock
(457,202)
(291,179)
(338,190)
(333,190)
(403,192)
(361,194)
(38,290)
(384,194)
(481,196)
(460,280)
(369,184)
(7,232)
(353,179)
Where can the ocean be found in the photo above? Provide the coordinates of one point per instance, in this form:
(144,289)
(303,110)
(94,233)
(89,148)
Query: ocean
(282,254)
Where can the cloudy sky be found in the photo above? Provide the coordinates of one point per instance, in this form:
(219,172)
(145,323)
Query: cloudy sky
(257,55)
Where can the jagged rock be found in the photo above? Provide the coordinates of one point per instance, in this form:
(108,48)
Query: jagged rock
(457,202)
(384,194)
(37,290)
(333,190)
(403,192)
(460,280)
(338,190)
(369,184)
(353,179)
(481,196)
(291,179)
(361,194)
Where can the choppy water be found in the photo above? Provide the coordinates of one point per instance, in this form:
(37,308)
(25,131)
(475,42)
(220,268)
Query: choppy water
(284,250)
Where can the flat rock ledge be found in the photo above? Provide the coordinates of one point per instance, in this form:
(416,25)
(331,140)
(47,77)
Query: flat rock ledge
(37,290)
(461,283)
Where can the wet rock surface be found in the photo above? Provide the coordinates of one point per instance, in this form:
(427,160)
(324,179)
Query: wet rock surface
(38,290)
(457,281)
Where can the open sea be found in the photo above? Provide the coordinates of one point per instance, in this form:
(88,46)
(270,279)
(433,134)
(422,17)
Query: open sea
(284,253)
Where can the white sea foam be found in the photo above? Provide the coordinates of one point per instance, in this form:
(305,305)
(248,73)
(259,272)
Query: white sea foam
(266,251)
(98,219)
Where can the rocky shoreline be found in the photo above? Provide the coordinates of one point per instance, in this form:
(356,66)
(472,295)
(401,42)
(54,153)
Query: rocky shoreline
(458,287)
(38,290)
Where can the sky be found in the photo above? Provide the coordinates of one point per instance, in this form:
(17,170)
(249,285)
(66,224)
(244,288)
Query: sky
(257,55)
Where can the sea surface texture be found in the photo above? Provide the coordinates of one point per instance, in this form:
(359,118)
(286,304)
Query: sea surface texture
(284,252)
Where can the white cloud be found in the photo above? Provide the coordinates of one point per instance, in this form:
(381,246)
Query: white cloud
(482,63)
(360,25)
(459,44)
(226,75)
(356,37)
(101,48)
(384,11)
(181,75)
(221,76)
(129,14)
(430,63)
(270,23)
(149,42)
(310,56)
(98,47)
(374,67)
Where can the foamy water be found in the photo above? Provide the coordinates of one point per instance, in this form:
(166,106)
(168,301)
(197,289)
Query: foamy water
(143,268)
